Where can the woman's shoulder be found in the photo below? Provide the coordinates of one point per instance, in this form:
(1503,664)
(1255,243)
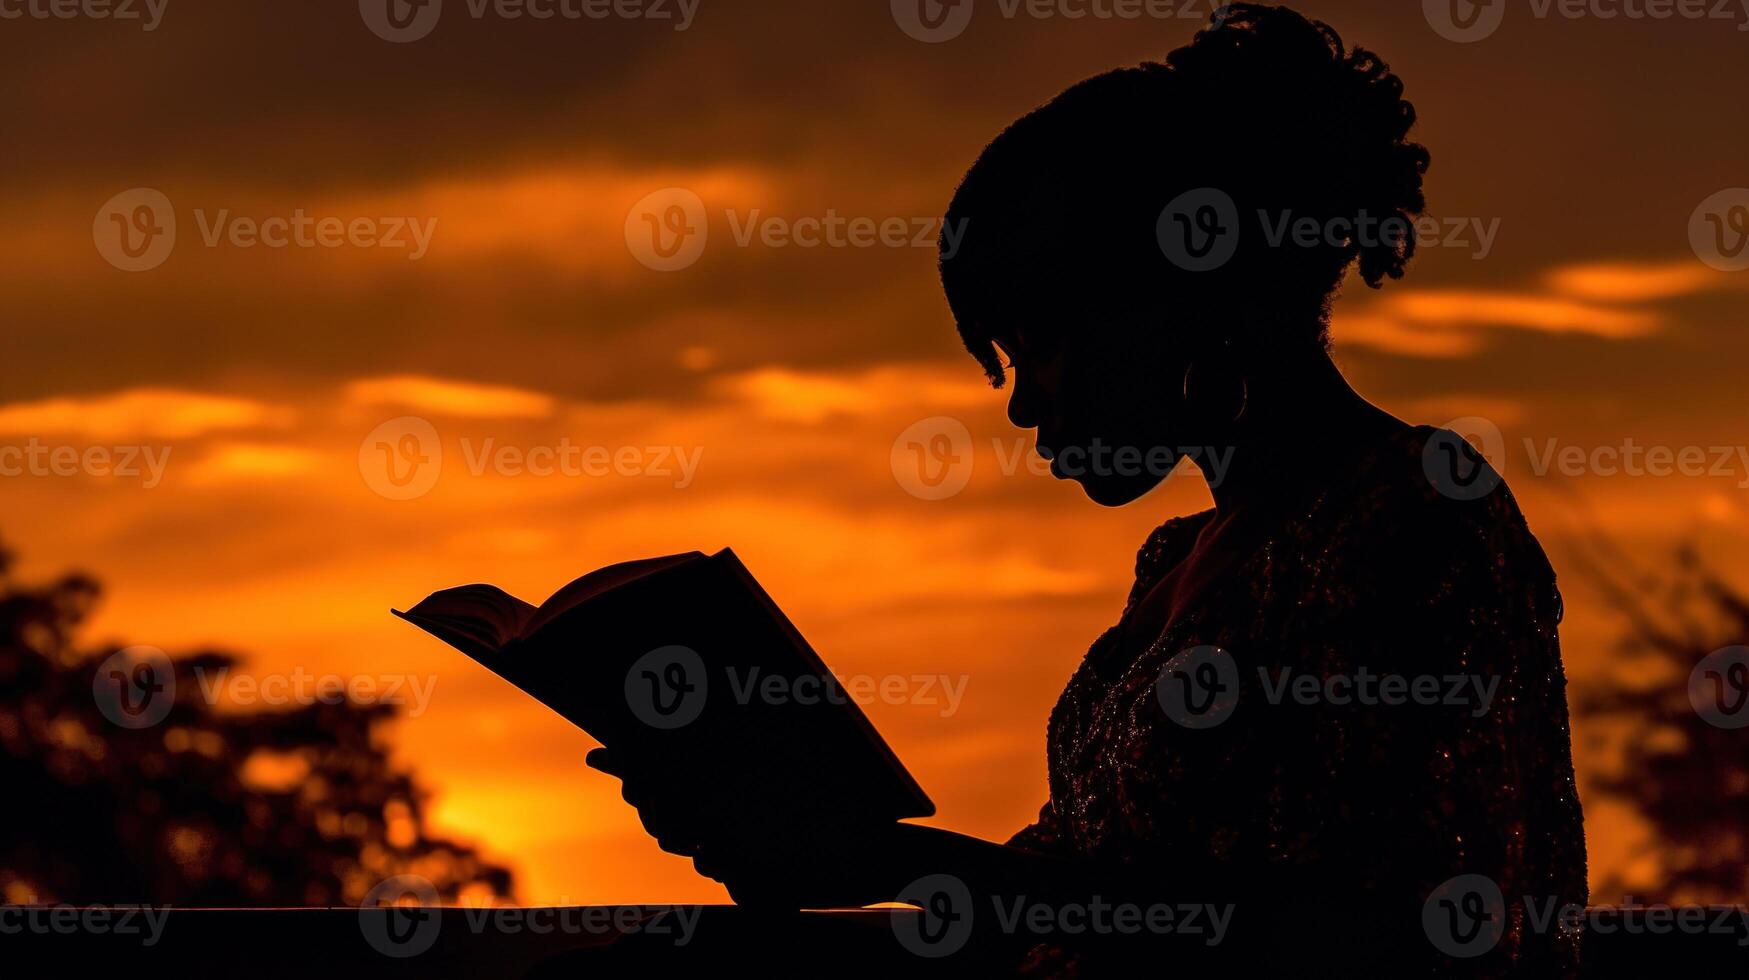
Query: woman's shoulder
(1421,496)
(1429,500)
(1429,479)
(1166,546)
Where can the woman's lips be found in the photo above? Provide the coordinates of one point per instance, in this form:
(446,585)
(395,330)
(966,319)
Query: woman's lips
(1046,448)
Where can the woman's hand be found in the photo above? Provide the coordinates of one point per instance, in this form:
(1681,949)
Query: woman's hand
(674,821)
(765,859)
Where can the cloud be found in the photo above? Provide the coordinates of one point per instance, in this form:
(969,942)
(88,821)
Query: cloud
(1397,336)
(1443,408)
(570,218)
(1584,300)
(157,413)
(1526,311)
(1630,282)
(809,397)
(243,461)
(456,398)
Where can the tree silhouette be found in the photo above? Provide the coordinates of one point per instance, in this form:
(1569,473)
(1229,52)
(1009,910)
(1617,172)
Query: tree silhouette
(206,807)
(1686,773)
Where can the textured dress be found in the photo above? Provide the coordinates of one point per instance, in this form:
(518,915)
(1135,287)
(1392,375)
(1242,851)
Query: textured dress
(1302,802)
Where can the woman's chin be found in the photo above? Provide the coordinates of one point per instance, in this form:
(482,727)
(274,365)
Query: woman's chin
(1109,492)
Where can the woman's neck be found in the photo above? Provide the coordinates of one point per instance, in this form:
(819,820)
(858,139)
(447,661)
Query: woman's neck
(1300,429)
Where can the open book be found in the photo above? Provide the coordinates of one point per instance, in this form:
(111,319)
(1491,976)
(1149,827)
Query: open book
(684,662)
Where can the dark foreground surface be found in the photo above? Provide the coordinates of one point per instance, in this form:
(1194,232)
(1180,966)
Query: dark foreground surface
(646,941)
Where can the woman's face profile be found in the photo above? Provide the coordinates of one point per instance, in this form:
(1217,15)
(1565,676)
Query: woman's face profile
(1100,400)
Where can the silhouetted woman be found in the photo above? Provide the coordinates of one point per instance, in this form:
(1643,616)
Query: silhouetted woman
(1134,257)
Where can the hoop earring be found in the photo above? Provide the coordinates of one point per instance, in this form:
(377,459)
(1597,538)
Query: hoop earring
(1244,393)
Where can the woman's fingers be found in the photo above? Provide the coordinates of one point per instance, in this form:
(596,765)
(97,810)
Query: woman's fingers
(663,817)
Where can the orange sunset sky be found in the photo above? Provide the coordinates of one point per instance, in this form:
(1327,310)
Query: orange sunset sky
(1569,155)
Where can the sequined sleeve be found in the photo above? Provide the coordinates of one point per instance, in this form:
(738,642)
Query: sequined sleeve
(1321,776)
(1456,775)
(1470,777)
(1040,835)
